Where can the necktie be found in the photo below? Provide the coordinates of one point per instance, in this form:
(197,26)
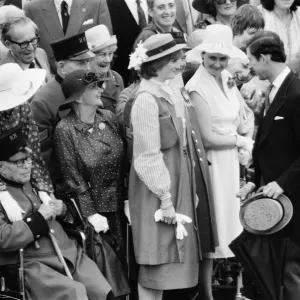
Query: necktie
(267,99)
(141,14)
(32,65)
(64,15)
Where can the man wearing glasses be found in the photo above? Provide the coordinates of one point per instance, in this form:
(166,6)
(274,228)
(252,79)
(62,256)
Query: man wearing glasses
(20,37)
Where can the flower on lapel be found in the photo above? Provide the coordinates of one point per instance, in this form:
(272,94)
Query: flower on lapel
(230,83)
(137,57)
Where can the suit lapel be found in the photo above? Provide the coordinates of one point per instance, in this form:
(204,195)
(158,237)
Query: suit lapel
(277,103)
(77,15)
(125,13)
(51,20)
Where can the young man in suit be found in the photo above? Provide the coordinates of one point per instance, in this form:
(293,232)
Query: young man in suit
(70,54)
(57,19)
(276,153)
(20,36)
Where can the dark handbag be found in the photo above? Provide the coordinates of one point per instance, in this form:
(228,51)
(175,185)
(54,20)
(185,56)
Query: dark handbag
(106,253)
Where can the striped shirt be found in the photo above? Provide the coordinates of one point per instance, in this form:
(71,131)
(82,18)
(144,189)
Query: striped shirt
(148,159)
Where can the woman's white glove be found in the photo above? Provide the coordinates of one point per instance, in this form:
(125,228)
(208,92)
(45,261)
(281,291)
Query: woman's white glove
(45,198)
(244,157)
(126,211)
(245,143)
(99,222)
(11,207)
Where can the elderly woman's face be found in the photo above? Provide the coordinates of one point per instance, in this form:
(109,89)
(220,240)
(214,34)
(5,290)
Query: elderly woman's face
(240,70)
(163,12)
(284,4)
(92,96)
(17,168)
(100,64)
(215,63)
(225,7)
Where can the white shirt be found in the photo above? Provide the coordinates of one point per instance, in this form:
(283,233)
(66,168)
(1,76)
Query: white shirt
(58,4)
(278,82)
(133,9)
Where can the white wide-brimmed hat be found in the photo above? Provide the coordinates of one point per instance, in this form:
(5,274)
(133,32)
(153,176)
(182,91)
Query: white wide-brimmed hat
(98,38)
(217,38)
(154,47)
(262,215)
(17,86)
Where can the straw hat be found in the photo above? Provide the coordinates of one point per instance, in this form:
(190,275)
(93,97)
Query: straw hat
(17,86)
(98,38)
(262,215)
(217,38)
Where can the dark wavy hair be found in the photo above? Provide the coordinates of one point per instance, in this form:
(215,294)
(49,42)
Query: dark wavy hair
(267,42)
(211,8)
(150,69)
(269,4)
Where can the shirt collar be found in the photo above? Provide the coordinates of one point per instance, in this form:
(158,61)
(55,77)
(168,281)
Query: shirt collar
(281,77)
(58,4)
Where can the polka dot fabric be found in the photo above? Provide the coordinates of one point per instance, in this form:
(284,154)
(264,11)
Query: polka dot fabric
(93,155)
(40,177)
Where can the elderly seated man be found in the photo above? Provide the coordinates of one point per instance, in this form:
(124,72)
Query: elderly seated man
(45,277)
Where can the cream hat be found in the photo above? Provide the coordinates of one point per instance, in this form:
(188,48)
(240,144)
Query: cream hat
(217,38)
(98,38)
(262,215)
(17,86)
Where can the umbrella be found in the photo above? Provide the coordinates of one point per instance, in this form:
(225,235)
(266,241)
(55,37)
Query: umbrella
(262,257)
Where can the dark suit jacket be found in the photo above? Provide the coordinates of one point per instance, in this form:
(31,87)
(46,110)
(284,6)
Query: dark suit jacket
(126,29)
(276,154)
(40,58)
(44,14)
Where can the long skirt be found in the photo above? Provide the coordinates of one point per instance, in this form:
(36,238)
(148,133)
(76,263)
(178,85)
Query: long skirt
(177,275)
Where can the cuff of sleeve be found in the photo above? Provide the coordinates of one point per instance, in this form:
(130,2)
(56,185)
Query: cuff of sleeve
(251,183)
(166,203)
(166,196)
(37,224)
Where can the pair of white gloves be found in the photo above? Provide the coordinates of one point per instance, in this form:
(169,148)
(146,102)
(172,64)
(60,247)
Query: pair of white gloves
(245,146)
(12,208)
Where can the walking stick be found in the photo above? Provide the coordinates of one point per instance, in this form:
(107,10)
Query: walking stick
(21,275)
(59,254)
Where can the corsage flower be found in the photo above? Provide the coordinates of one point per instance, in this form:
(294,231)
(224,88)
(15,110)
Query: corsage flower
(137,57)
(230,83)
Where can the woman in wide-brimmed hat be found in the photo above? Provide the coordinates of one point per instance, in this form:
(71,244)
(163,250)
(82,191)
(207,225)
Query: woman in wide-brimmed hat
(16,87)
(224,128)
(104,46)
(162,175)
(219,11)
(89,151)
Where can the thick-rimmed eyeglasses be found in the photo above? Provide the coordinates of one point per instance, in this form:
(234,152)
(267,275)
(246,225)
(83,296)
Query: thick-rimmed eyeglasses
(21,162)
(24,45)
(220,2)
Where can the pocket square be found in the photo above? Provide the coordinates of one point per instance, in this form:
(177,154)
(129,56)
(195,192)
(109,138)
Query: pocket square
(87,22)
(278,118)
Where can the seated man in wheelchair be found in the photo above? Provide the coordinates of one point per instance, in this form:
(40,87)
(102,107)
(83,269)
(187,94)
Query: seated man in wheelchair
(49,254)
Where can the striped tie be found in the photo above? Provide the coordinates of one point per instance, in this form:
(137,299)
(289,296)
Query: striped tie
(141,15)
(267,97)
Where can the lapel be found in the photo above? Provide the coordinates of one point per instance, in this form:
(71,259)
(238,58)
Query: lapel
(112,88)
(277,103)
(50,18)
(125,13)
(77,15)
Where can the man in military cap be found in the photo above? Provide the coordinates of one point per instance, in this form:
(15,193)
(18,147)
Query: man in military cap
(45,275)
(70,54)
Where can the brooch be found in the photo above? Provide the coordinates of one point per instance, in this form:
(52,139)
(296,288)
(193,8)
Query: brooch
(102,126)
(230,83)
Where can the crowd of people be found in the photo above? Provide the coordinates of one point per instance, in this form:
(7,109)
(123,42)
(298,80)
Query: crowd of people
(145,124)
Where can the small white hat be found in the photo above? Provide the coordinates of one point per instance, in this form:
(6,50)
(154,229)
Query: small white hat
(98,38)
(217,38)
(17,86)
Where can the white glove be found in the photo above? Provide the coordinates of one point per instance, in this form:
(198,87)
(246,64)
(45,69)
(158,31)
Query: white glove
(244,142)
(99,222)
(180,231)
(244,157)
(44,197)
(126,211)
(11,207)
(179,217)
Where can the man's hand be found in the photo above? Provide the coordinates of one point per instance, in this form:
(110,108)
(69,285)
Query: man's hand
(245,191)
(169,215)
(272,190)
(58,206)
(47,211)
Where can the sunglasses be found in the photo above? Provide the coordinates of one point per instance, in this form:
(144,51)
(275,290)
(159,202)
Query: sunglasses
(221,2)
